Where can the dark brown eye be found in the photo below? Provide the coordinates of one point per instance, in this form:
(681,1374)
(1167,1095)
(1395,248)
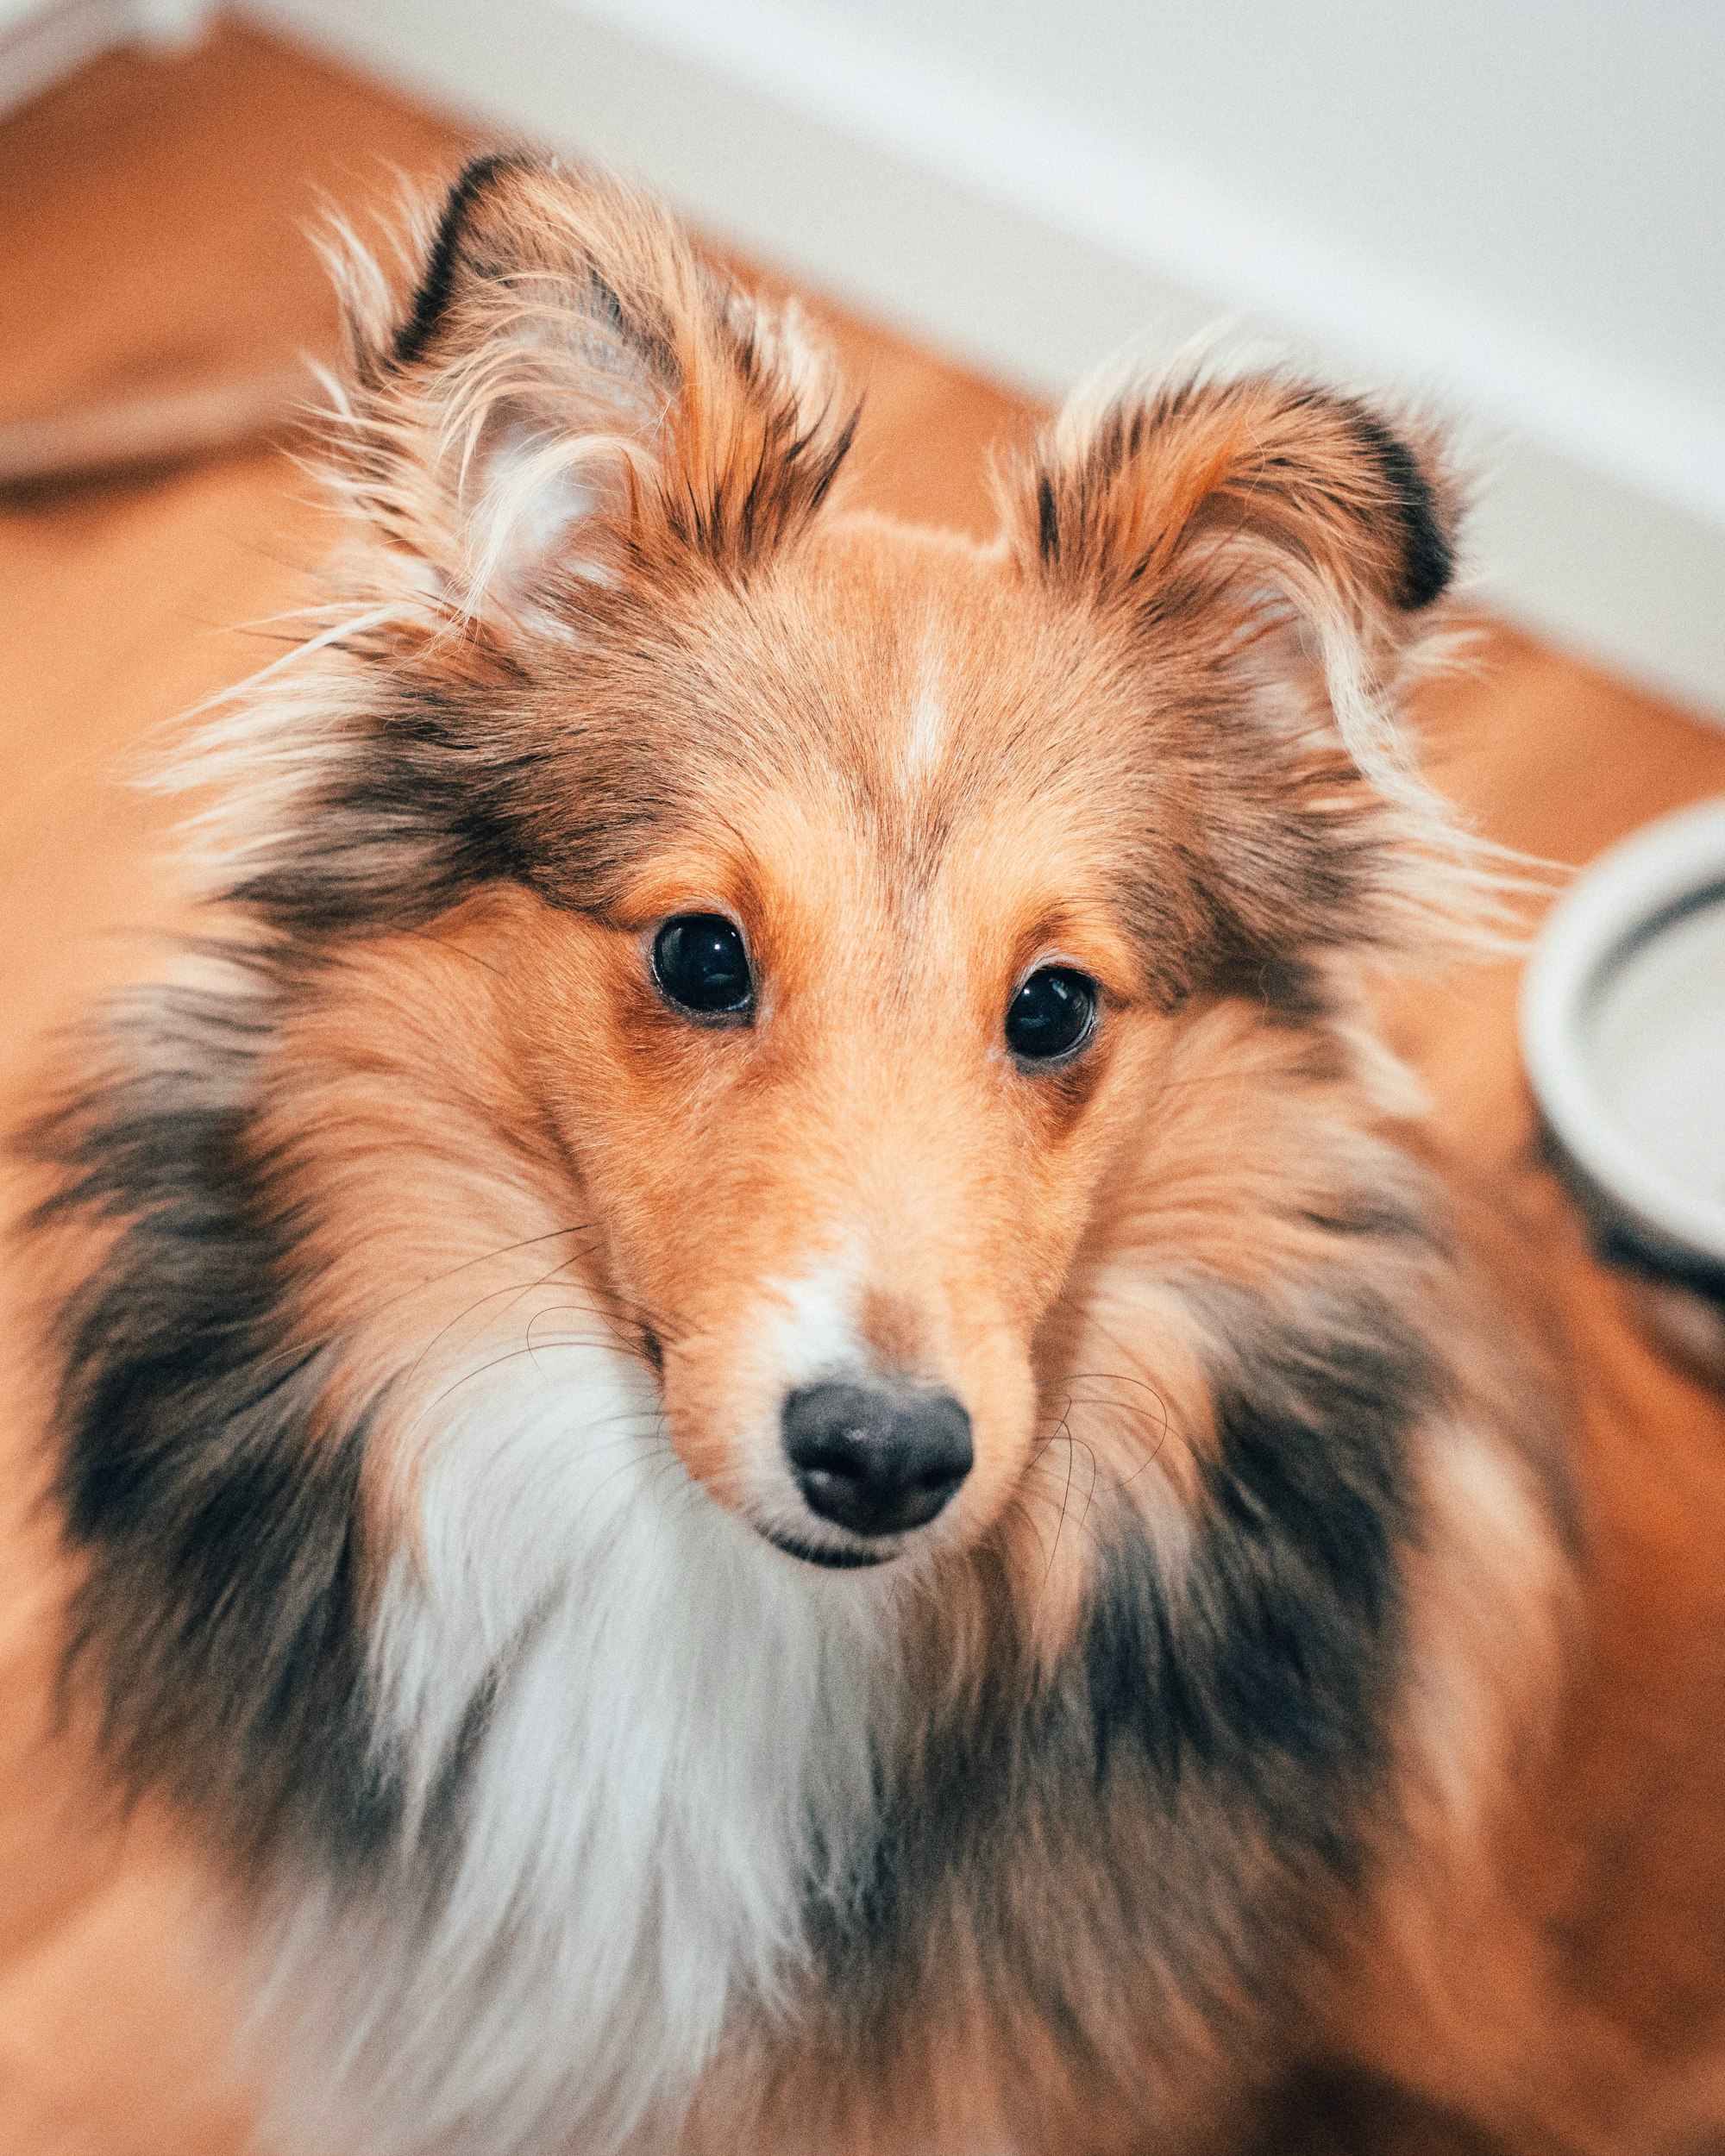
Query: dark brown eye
(1052,1014)
(701,964)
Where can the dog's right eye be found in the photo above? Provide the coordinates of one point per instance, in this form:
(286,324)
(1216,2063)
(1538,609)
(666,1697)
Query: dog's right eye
(701,964)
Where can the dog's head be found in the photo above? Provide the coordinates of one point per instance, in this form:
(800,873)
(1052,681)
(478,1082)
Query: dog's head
(859,936)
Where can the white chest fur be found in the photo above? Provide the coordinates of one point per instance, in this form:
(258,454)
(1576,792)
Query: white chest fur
(678,1737)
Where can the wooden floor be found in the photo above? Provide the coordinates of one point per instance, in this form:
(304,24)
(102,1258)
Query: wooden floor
(154,227)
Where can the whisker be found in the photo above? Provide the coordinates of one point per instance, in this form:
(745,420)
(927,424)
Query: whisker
(1065,1498)
(568,1310)
(637,1313)
(458,950)
(513,1290)
(485,1257)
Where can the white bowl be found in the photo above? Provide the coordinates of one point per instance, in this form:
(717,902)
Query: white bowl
(1623,1029)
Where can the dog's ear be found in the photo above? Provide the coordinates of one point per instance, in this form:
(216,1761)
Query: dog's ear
(1262,554)
(572,392)
(1256,519)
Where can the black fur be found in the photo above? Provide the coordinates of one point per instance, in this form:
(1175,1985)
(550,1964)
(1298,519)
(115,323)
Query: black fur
(1273,1676)
(426,812)
(1428,557)
(1164,1822)
(1047,519)
(218,1618)
(438,280)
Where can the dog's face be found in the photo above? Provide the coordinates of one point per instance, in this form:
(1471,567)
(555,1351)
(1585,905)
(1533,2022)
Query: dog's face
(842,895)
(846,1048)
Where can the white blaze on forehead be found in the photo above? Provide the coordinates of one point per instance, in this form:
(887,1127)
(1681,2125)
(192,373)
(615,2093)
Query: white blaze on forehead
(925,733)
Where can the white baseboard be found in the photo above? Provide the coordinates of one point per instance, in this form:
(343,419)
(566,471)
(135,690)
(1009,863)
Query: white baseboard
(41,44)
(42,41)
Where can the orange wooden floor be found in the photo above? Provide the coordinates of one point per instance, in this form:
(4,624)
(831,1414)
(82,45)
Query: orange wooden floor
(154,227)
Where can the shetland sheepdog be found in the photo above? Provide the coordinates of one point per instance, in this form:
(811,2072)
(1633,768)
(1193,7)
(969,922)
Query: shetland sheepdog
(770,1416)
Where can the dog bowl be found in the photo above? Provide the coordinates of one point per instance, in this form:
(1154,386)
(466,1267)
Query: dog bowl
(1623,1030)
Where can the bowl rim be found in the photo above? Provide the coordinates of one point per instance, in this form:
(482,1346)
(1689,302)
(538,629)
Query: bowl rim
(1614,901)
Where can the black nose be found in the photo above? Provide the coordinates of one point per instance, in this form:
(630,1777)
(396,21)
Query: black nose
(875,1461)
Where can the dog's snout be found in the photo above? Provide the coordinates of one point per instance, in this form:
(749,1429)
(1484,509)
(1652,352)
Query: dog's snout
(874,1461)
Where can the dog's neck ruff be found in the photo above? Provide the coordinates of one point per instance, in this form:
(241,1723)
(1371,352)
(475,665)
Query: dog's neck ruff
(630,1742)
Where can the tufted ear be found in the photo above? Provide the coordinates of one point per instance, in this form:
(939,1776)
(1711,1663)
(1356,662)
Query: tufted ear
(1261,520)
(1260,556)
(571,391)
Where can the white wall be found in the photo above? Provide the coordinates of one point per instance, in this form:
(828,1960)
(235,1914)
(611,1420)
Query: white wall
(1532,190)
(41,40)
(1516,205)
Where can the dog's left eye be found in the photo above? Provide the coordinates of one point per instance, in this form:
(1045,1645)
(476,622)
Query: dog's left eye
(701,964)
(1051,1014)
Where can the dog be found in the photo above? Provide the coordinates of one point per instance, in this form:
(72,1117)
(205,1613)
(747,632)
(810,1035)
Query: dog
(772,1417)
